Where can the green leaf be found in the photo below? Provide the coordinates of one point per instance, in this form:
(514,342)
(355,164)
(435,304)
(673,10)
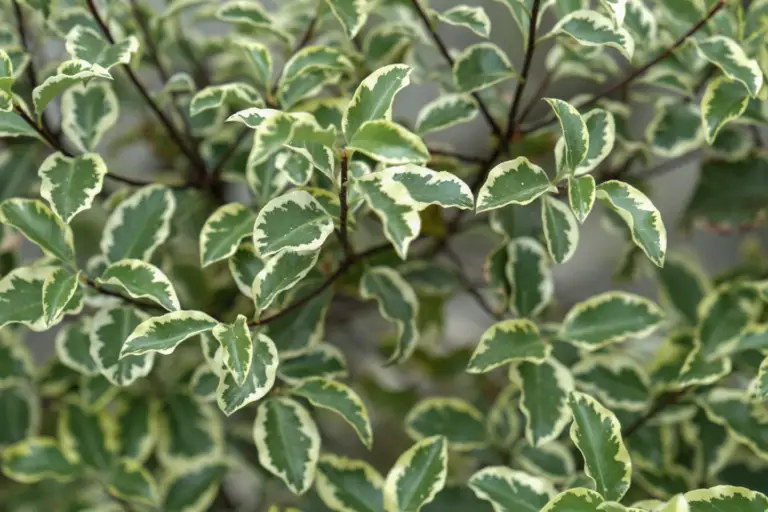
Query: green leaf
(675,130)
(480,66)
(472,18)
(21,410)
(137,420)
(723,101)
(759,385)
(35,459)
(374,97)
(552,461)
(223,231)
(349,485)
(89,437)
(389,143)
(12,125)
(502,419)
(590,28)
(237,348)
(601,127)
(561,230)
(69,74)
(191,489)
(58,290)
(341,399)
(508,341)
(288,442)
(6,72)
(457,421)
(141,280)
(109,327)
(88,112)
(294,222)
(315,57)
(397,303)
(191,432)
(424,187)
(139,224)
(246,13)
(724,316)
(390,201)
(258,56)
(39,225)
(575,133)
(306,85)
(617,381)
(725,497)
(683,285)
(244,265)
(417,476)
(352,14)
(517,181)
(508,489)
(640,215)
(698,370)
(73,347)
(203,382)
(281,272)
(164,333)
(529,277)
(608,318)
(303,326)
(597,434)
(86,44)
(21,298)
(581,196)
(131,482)
(70,184)
(732,409)
(323,360)
(726,54)
(258,381)
(96,392)
(215,97)
(574,500)
(545,388)
(446,111)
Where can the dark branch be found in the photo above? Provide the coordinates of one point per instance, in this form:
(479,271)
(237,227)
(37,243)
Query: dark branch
(343,208)
(660,405)
(512,118)
(105,291)
(470,288)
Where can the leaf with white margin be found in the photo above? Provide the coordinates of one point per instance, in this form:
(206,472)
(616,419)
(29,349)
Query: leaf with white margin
(458,421)
(139,224)
(352,14)
(552,461)
(640,21)
(733,409)
(137,421)
(295,166)
(480,66)
(640,215)
(236,346)
(507,489)
(617,381)
(392,203)
(39,225)
(323,360)
(58,290)
(6,72)
(108,329)
(244,265)
(597,434)
(590,28)
(164,333)
(21,293)
(69,74)
(190,431)
(315,57)
(726,497)
(561,229)
(349,485)
(86,44)
(581,196)
(218,96)
(417,476)
(262,369)
(273,130)
(472,18)
(132,482)
(508,341)
(723,101)
(529,276)
(70,184)
(281,272)
(295,221)
(12,125)
(374,97)
(141,280)
(576,142)
(88,437)
(306,85)
(192,489)
(88,112)
(601,127)
(389,143)
(425,187)
(517,181)
(608,318)
(724,315)
(726,54)
(73,347)
(445,112)
(545,388)
(302,327)
(203,382)
(617,9)
(675,129)
(223,232)
(575,500)
(339,398)
(698,370)
(22,405)
(397,303)
(37,458)
(288,442)
(759,385)
(258,56)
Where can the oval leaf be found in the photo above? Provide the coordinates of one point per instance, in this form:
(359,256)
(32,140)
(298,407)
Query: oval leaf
(515,182)
(164,333)
(480,66)
(223,231)
(508,341)
(417,476)
(141,280)
(457,421)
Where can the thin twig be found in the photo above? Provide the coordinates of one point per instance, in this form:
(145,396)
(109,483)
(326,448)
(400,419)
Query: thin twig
(636,73)
(458,156)
(668,165)
(660,405)
(343,207)
(469,287)
(105,291)
(219,167)
(447,55)
(512,118)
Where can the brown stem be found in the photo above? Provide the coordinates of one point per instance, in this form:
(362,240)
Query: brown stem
(660,405)
(495,128)
(104,291)
(512,118)
(469,287)
(343,208)
(632,75)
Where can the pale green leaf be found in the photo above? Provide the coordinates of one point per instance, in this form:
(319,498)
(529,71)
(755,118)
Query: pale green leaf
(517,181)
(164,333)
(460,423)
(508,341)
(417,476)
(141,280)
(480,66)
(71,184)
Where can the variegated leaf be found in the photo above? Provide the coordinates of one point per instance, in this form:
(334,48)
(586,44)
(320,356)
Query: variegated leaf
(39,225)
(517,181)
(137,421)
(258,56)
(552,461)
(424,186)
(575,500)
(529,275)
(561,229)
(545,390)
(141,280)
(73,347)
(507,489)
(374,96)
(280,273)
(88,437)
(349,485)
(417,476)
(13,125)
(724,316)
(725,497)
(591,28)
(726,54)
(68,74)
(22,405)
(164,333)
(223,231)
(473,18)
(508,341)
(389,143)
(352,14)
(617,381)
(37,458)
(86,44)
(390,200)
(480,66)
(581,196)
(445,112)
(723,101)
(460,423)
(576,141)
(186,489)
(601,127)
(259,379)
(675,129)
(190,433)
(107,335)
(323,360)
(88,112)
(236,346)
(70,184)
(21,298)
(244,265)
(218,96)
(59,288)
(96,392)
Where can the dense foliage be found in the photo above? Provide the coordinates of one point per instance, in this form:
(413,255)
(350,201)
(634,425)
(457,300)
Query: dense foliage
(218,188)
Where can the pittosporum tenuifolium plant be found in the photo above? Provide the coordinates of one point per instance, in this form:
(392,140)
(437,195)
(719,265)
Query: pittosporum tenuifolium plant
(219,188)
